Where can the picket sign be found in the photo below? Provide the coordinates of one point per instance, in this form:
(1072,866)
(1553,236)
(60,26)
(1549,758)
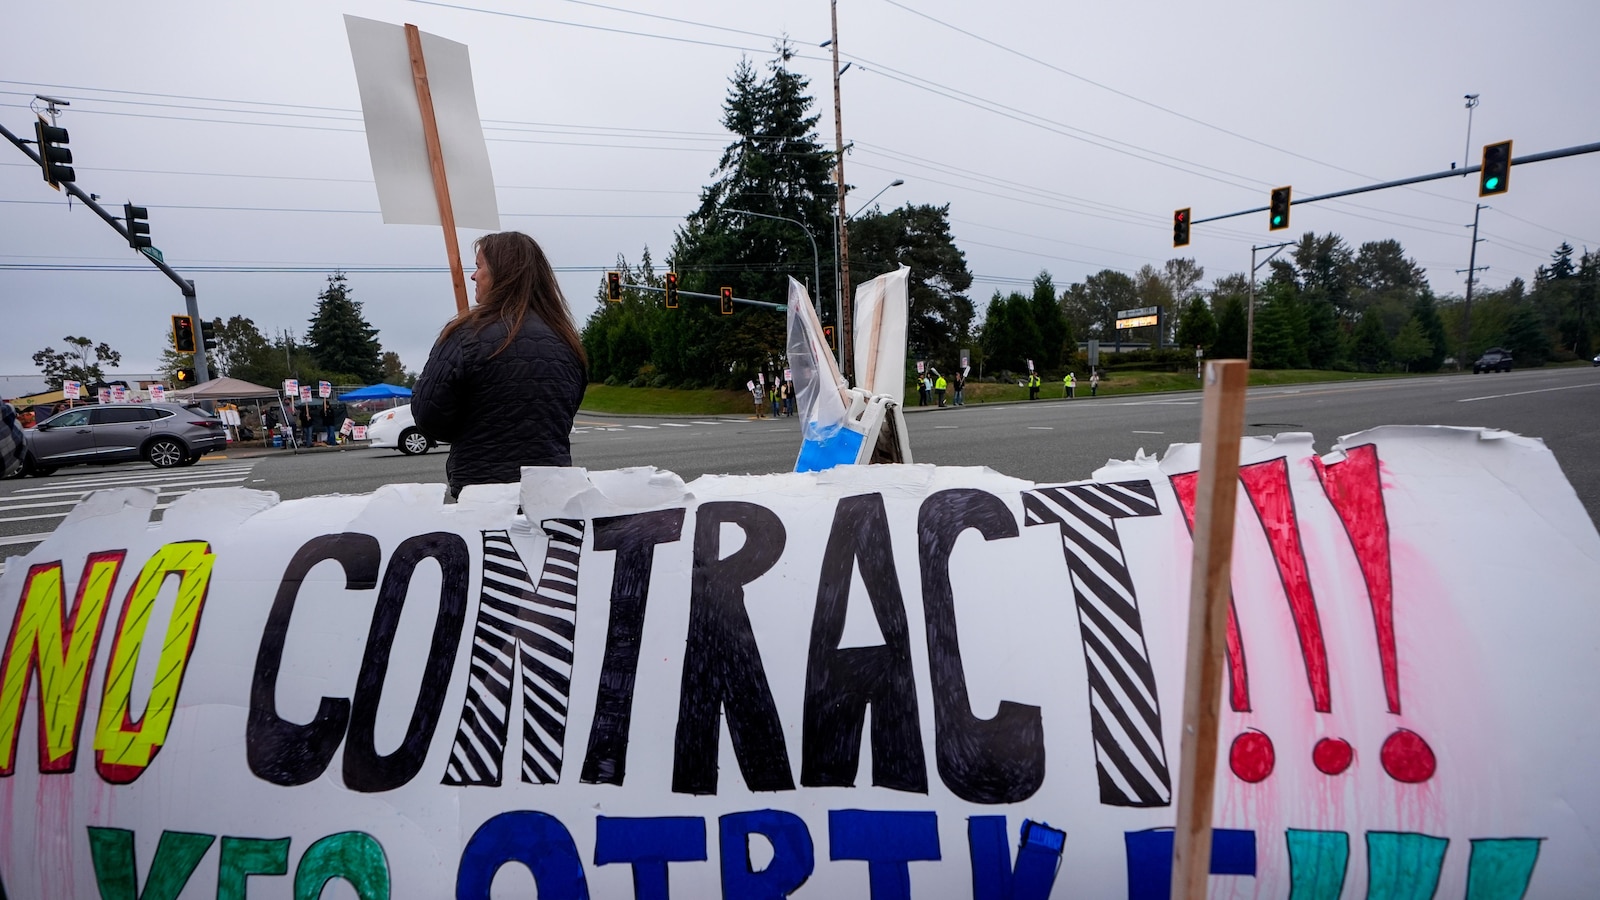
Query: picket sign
(892,680)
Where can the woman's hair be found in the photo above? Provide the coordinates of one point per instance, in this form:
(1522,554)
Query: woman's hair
(520,281)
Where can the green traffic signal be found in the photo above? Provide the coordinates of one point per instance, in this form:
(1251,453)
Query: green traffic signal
(1496,169)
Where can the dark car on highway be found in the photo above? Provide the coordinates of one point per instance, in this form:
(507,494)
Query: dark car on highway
(165,434)
(1493,359)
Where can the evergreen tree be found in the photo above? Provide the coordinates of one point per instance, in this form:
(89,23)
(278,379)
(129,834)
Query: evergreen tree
(777,167)
(1525,337)
(342,343)
(1412,347)
(1232,329)
(940,313)
(1010,334)
(1051,324)
(1426,315)
(1197,327)
(1370,346)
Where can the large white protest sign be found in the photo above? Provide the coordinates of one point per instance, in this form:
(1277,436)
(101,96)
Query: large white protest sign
(394,127)
(886,681)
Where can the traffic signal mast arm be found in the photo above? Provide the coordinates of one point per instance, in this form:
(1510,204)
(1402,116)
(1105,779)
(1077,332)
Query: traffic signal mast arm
(717,297)
(184,284)
(1450,173)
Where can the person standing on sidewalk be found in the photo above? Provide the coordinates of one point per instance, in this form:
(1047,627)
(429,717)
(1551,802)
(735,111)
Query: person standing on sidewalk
(1094,383)
(505,378)
(960,389)
(939,387)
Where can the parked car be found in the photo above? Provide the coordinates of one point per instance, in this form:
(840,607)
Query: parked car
(1597,359)
(1493,359)
(166,434)
(396,428)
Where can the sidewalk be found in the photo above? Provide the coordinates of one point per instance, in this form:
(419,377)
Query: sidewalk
(253,450)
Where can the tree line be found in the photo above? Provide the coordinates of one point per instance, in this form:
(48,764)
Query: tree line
(340,346)
(1323,305)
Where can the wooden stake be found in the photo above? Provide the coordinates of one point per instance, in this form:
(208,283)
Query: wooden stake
(1221,426)
(441,187)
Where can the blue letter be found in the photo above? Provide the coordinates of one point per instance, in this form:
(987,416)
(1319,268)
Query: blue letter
(1038,859)
(887,841)
(793,858)
(1233,852)
(535,839)
(649,844)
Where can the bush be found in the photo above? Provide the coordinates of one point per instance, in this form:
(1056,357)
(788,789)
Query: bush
(612,381)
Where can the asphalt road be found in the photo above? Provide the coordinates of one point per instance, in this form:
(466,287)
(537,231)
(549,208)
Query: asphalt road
(1045,440)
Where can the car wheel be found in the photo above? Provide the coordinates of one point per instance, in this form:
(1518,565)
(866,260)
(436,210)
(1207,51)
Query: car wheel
(166,453)
(190,460)
(412,442)
(32,469)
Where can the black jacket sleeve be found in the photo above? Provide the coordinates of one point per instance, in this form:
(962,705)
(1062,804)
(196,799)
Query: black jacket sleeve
(436,400)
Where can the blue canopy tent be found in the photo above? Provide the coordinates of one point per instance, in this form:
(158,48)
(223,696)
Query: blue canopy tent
(376,392)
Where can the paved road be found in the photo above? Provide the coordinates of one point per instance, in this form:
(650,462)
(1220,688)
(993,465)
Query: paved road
(1048,440)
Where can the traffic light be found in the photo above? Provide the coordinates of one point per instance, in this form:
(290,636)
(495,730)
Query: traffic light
(185,377)
(54,157)
(138,228)
(1278,209)
(672,290)
(614,286)
(827,334)
(727,301)
(1496,175)
(1180,228)
(183,334)
(208,334)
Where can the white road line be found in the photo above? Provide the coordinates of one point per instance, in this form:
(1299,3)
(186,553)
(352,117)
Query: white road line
(673,425)
(698,422)
(937,427)
(1149,432)
(109,481)
(4,509)
(1041,428)
(1522,393)
(160,489)
(646,427)
(14,540)
(59,515)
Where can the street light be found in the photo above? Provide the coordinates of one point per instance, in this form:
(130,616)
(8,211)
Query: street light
(838,267)
(862,208)
(816,259)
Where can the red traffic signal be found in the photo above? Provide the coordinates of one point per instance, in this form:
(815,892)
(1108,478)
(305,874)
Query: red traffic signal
(1180,228)
(827,334)
(727,301)
(614,286)
(183,334)
(672,290)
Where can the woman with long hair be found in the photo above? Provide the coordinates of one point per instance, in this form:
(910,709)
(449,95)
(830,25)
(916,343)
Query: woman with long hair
(505,378)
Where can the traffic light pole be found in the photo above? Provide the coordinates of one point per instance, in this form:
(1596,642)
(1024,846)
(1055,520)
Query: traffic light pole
(201,371)
(684,293)
(1451,173)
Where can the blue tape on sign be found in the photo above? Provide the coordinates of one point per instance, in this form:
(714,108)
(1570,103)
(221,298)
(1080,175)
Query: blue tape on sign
(819,451)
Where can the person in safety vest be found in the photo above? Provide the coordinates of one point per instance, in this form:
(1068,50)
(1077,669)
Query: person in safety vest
(939,386)
(1033,385)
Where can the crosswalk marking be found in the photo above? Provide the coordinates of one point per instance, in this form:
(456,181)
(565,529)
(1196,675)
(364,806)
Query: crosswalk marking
(153,479)
(14,540)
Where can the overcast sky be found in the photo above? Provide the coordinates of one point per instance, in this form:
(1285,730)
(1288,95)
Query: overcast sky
(1062,135)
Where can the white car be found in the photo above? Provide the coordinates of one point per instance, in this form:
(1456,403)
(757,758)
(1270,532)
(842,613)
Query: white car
(395,428)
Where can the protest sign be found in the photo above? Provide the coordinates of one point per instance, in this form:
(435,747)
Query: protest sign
(305,393)
(291,388)
(324,389)
(72,390)
(934,681)
(158,393)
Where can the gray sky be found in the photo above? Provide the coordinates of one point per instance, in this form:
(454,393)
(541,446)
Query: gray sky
(1062,135)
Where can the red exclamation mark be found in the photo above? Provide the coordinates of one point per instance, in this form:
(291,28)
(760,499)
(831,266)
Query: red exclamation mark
(1251,757)
(1267,484)
(1354,487)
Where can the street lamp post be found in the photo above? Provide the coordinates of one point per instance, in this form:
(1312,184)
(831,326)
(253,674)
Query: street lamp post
(816,259)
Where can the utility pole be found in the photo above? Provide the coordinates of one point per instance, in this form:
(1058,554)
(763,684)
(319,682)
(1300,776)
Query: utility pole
(845,301)
(1250,312)
(1472,276)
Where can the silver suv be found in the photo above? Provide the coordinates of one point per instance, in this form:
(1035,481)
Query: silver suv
(166,434)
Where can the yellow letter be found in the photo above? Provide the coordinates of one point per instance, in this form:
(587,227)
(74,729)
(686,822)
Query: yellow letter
(123,745)
(60,646)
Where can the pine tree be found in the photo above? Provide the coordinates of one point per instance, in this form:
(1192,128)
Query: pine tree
(1232,329)
(342,343)
(1197,327)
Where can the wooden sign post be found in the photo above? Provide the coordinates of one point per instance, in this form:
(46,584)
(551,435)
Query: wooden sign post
(441,186)
(1221,425)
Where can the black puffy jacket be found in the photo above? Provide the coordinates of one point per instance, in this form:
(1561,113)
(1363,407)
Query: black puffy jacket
(500,413)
